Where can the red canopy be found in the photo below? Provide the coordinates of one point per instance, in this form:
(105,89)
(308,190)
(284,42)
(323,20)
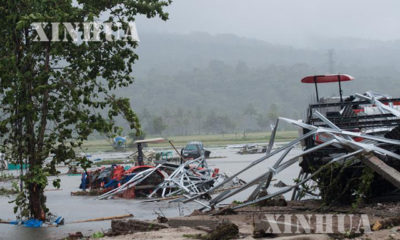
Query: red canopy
(327,78)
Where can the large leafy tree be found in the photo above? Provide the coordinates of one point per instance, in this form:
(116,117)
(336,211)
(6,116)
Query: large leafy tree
(55,94)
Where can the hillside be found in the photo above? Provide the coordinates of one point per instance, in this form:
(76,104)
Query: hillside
(189,79)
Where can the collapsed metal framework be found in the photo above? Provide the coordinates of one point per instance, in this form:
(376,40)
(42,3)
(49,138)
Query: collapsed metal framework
(194,180)
(190,178)
(334,137)
(134,181)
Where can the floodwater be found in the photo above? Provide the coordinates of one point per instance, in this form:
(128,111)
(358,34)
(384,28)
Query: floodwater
(74,208)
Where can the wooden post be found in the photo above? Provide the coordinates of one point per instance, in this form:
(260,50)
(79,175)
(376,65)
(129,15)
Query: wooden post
(316,87)
(176,150)
(386,171)
(104,218)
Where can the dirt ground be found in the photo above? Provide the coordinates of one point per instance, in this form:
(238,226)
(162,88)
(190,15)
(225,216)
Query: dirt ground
(167,234)
(246,219)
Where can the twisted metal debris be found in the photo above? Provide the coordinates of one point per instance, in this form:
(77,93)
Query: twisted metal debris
(195,181)
(190,178)
(333,136)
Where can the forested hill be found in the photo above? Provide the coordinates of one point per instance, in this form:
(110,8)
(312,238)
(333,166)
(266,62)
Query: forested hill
(201,83)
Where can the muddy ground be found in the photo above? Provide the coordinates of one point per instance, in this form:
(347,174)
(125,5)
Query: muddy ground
(247,219)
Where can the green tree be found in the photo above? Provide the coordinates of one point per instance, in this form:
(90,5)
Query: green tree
(158,125)
(273,112)
(249,115)
(134,137)
(263,121)
(215,123)
(250,110)
(198,116)
(55,94)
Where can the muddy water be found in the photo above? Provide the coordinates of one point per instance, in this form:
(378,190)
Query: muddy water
(80,208)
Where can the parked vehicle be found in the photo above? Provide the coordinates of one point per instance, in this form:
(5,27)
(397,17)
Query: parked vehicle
(194,150)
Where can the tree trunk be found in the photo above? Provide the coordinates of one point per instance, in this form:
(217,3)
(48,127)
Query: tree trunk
(36,201)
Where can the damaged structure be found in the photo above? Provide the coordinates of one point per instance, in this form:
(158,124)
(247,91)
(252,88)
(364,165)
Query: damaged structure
(189,178)
(348,149)
(348,144)
(162,180)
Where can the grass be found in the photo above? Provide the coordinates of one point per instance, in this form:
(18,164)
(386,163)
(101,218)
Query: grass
(98,235)
(7,192)
(6,177)
(98,145)
(212,140)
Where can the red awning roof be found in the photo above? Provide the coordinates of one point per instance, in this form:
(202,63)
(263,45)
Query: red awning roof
(327,78)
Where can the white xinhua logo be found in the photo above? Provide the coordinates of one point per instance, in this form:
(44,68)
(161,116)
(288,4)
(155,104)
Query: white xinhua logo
(91,32)
(315,223)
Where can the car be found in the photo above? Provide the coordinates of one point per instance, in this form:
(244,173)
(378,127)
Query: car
(194,150)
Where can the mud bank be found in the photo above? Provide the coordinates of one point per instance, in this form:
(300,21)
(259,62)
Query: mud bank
(199,225)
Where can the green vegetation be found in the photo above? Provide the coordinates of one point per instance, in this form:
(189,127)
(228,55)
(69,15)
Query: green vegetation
(236,202)
(98,235)
(348,183)
(6,191)
(245,83)
(6,176)
(97,145)
(55,94)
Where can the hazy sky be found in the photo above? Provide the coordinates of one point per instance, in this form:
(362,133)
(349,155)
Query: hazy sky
(283,21)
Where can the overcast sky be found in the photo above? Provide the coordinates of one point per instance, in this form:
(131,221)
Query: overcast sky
(295,22)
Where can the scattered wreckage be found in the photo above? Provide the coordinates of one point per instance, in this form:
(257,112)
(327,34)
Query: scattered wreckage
(341,137)
(162,180)
(359,131)
(252,149)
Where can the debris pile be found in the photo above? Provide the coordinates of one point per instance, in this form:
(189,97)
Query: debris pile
(252,149)
(139,180)
(191,177)
(164,180)
(363,133)
(149,155)
(349,151)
